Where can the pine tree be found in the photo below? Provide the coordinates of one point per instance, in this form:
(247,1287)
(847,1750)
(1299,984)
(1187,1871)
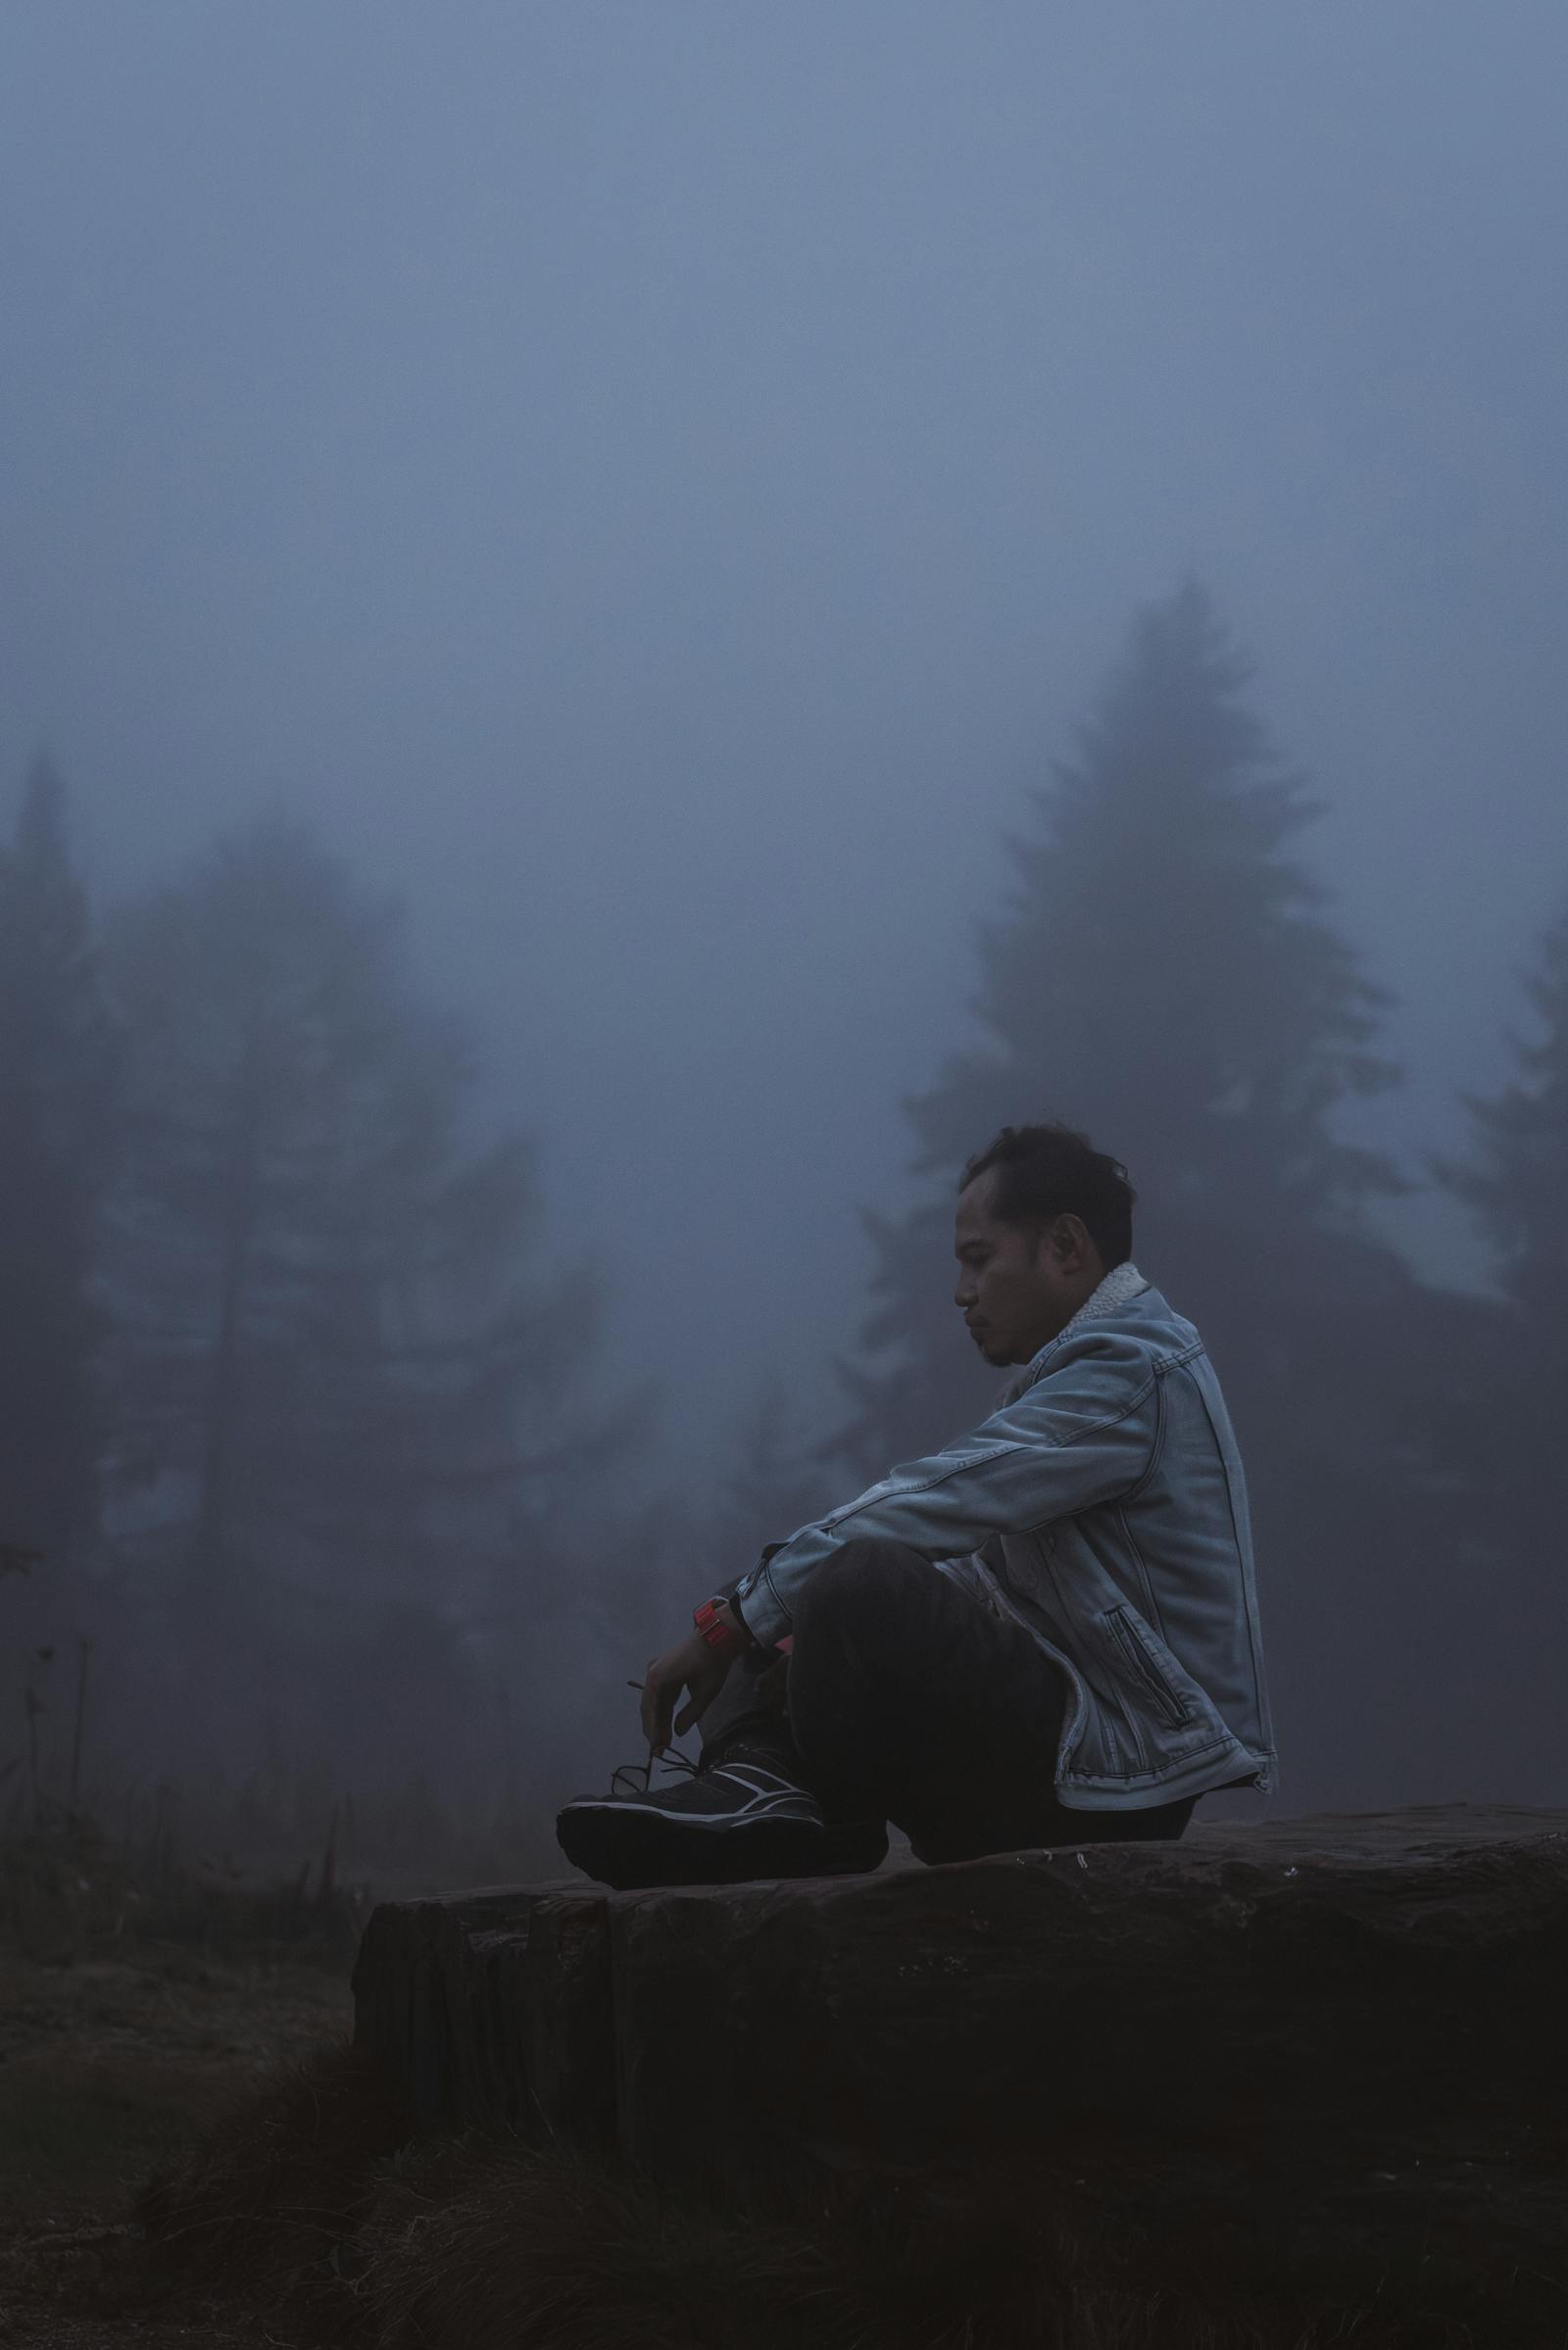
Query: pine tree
(1510,1429)
(776,1482)
(58,1054)
(1518,1182)
(1165,979)
(1162,980)
(342,1389)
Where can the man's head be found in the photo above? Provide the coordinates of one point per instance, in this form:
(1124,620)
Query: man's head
(1043,1217)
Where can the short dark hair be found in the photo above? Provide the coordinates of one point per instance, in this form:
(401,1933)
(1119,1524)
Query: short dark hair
(1047,1171)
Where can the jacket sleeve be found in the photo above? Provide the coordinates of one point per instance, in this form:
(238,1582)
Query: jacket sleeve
(1073,1440)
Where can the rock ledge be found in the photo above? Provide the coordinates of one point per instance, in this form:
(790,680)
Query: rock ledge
(1336,1993)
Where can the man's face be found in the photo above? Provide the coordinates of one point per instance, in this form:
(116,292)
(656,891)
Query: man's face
(1019,1285)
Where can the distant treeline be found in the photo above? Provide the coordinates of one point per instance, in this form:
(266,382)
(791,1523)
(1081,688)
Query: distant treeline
(306,1431)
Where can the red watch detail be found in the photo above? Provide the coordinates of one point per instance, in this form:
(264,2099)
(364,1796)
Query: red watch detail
(719,1635)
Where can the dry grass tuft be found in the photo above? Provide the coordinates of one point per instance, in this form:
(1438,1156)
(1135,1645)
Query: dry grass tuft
(270,2194)
(486,2245)
(485,2248)
(313,2199)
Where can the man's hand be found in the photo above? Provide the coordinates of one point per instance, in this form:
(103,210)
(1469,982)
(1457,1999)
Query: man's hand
(693,1666)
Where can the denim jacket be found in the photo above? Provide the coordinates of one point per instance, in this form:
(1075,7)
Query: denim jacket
(1103,1507)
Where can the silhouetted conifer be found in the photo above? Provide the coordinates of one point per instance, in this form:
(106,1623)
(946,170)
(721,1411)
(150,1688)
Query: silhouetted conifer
(1509,1432)
(1517,1184)
(342,1387)
(1167,980)
(57,1071)
(775,1481)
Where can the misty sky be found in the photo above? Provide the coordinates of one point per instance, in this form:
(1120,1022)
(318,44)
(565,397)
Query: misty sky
(658,481)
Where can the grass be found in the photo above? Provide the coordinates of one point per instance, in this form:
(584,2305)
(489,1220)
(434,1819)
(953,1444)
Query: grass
(69,1893)
(135,2005)
(110,2064)
(312,2197)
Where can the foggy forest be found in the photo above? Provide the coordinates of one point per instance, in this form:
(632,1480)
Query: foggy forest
(569,759)
(627,629)
(321,1511)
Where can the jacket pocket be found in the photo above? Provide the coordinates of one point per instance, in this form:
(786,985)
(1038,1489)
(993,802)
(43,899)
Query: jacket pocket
(1145,1668)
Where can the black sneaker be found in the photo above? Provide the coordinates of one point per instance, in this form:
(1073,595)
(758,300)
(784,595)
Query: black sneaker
(737,1817)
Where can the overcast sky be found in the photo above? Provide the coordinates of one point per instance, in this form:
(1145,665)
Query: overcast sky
(659,480)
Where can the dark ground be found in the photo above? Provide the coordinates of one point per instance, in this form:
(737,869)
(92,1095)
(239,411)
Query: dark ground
(137,2003)
(198,2035)
(108,2067)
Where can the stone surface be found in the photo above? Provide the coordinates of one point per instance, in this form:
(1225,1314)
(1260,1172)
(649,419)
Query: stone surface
(1354,2007)
(490,2005)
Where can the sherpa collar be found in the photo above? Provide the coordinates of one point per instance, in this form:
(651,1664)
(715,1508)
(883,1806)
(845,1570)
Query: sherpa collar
(1120,1282)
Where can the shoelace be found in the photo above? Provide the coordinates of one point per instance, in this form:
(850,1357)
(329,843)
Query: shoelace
(671,1759)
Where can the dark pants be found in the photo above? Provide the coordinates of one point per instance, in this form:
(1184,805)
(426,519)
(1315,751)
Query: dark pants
(905,1699)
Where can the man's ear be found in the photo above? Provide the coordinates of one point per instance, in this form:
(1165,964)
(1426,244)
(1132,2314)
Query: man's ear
(1067,1232)
(1042,1242)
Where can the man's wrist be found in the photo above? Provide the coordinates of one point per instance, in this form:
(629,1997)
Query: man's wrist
(764,1618)
(730,1614)
(723,1627)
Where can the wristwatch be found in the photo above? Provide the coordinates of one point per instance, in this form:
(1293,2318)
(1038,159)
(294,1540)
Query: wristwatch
(721,1638)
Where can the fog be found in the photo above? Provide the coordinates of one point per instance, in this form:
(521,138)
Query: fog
(655,489)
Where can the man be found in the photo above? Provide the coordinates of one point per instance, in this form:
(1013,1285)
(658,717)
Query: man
(1046,1633)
